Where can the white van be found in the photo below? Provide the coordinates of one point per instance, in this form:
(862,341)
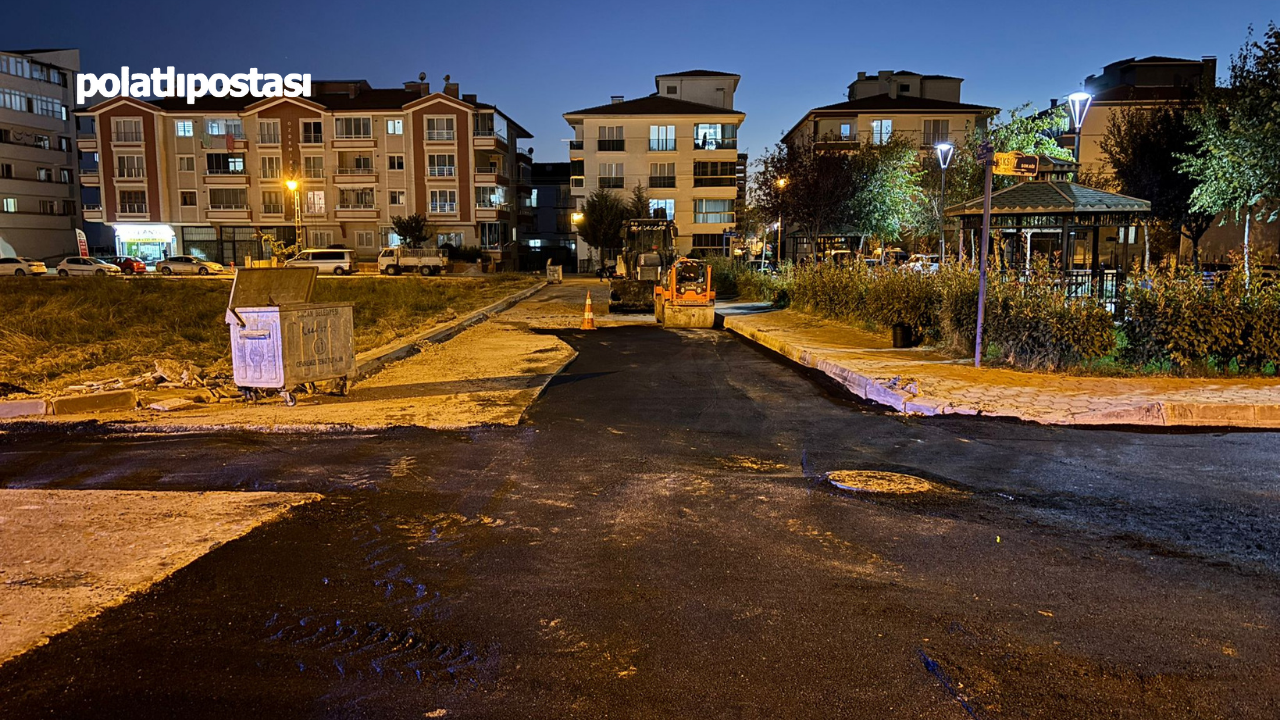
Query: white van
(339,261)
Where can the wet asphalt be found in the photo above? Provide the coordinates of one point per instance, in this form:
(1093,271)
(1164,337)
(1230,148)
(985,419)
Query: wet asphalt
(658,540)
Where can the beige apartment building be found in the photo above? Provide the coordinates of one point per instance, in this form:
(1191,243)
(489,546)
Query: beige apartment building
(38,214)
(679,143)
(204,179)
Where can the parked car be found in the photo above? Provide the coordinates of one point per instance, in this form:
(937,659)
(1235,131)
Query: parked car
(86,266)
(923,263)
(188,265)
(339,261)
(766,267)
(22,266)
(128,265)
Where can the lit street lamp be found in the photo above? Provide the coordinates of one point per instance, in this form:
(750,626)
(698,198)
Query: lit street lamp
(297,213)
(1079,102)
(945,151)
(782,184)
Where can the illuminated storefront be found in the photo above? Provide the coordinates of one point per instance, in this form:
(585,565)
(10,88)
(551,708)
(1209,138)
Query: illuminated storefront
(148,242)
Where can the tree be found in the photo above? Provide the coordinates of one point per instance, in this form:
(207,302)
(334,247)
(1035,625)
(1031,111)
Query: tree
(1237,168)
(604,217)
(1145,147)
(809,185)
(887,199)
(638,204)
(414,230)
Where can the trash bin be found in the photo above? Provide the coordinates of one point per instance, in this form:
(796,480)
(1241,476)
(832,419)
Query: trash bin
(280,340)
(555,273)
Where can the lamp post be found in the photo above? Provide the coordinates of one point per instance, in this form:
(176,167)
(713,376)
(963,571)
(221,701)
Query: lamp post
(945,151)
(782,184)
(1079,102)
(297,213)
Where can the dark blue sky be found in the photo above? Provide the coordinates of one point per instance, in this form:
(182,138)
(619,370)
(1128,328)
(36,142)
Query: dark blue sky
(537,60)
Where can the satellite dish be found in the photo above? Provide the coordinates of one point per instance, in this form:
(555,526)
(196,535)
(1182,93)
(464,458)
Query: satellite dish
(446,78)
(422,77)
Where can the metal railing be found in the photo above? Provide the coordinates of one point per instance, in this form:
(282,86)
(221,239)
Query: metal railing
(126,136)
(440,135)
(662,181)
(93,207)
(441,170)
(313,174)
(666,145)
(133,208)
(444,207)
(611,183)
(268,138)
(312,139)
(489,134)
(611,145)
(490,170)
(356,206)
(273,209)
(127,174)
(578,181)
(715,181)
(224,171)
(575,144)
(341,170)
(229,206)
(715,144)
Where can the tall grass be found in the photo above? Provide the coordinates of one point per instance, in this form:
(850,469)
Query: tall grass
(59,332)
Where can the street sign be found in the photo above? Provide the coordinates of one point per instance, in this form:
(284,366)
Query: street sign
(1016,163)
(983,153)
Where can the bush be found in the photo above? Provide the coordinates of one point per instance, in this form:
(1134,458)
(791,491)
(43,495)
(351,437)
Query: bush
(1035,325)
(734,278)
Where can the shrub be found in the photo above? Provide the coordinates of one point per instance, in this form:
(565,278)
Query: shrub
(734,278)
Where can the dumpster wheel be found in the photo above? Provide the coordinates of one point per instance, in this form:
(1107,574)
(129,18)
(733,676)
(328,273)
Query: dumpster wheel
(289,398)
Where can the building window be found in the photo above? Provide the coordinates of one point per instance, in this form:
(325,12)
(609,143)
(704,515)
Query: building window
(48,207)
(42,141)
(6,170)
(312,132)
(846,131)
(936,131)
(269,132)
(9,205)
(272,202)
(186,163)
(711,136)
(395,162)
(662,175)
(904,88)
(224,164)
(611,176)
(611,139)
(315,203)
(218,127)
(364,238)
(355,199)
(130,166)
(313,166)
(440,128)
(881,130)
(662,209)
(710,244)
(671,90)
(444,201)
(715,174)
(490,125)
(662,138)
(440,165)
(187,198)
(126,130)
(395,197)
(64,176)
(491,196)
(133,202)
(64,144)
(270,167)
(454,238)
(349,128)
(44,174)
(228,198)
(184,128)
(713,211)
(68,207)
(395,126)
(491,235)
(321,238)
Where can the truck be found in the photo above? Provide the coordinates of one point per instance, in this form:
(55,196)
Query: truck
(648,248)
(400,259)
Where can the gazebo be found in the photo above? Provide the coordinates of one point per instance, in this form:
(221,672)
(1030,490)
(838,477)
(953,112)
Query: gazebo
(1093,230)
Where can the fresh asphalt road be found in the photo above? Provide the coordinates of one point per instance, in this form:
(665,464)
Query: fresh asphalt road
(658,540)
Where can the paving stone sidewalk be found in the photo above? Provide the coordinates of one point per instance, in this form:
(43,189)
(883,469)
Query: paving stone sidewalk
(923,381)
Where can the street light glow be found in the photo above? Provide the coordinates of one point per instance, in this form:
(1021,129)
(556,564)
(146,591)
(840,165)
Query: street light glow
(291,184)
(945,150)
(1079,102)
(781,183)
(576,218)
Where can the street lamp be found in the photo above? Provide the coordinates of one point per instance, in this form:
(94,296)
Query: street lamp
(945,151)
(1079,102)
(782,184)
(297,213)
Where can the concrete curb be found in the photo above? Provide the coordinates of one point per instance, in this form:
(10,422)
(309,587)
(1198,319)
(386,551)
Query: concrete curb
(1153,413)
(371,361)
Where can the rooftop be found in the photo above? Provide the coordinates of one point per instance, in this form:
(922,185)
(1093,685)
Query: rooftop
(654,105)
(1052,197)
(901,103)
(699,73)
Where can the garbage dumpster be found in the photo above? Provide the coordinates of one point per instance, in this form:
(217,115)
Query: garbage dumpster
(282,341)
(555,273)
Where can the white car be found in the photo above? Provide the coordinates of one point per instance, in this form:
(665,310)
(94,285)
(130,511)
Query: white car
(22,266)
(923,263)
(188,265)
(86,266)
(339,261)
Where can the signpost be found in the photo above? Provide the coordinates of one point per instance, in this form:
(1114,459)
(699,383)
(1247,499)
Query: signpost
(988,159)
(1016,163)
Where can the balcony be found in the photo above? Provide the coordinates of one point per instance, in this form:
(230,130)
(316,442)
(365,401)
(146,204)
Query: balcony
(575,144)
(489,139)
(228,211)
(273,209)
(93,212)
(611,183)
(662,181)
(233,206)
(442,171)
(486,174)
(715,181)
(269,138)
(90,178)
(665,145)
(226,177)
(133,209)
(440,136)
(313,174)
(715,143)
(611,145)
(87,143)
(351,142)
(312,139)
(126,136)
(357,211)
(343,175)
(447,208)
(577,181)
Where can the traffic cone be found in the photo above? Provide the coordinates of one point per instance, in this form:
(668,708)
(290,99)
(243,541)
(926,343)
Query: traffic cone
(588,317)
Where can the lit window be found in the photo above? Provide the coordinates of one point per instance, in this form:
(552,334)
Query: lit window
(881,130)
(184,128)
(395,126)
(9,205)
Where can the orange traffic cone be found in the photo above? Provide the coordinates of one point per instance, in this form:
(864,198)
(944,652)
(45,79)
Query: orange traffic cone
(588,317)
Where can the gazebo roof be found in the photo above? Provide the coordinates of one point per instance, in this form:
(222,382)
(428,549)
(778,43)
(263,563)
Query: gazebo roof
(1052,197)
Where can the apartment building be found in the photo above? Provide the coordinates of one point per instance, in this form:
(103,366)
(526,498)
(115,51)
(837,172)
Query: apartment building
(552,235)
(925,108)
(38,214)
(206,179)
(680,143)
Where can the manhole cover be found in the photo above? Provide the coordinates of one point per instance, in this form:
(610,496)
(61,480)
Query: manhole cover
(875,481)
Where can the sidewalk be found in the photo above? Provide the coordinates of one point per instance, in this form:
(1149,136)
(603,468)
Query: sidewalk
(921,381)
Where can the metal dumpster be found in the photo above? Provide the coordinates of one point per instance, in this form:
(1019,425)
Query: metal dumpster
(282,341)
(555,273)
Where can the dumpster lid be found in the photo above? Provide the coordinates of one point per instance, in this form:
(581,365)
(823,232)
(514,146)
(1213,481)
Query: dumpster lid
(270,287)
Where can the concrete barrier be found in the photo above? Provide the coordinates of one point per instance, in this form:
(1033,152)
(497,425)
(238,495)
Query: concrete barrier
(96,402)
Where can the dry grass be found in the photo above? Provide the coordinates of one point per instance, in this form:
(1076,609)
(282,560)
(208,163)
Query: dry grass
(55,333)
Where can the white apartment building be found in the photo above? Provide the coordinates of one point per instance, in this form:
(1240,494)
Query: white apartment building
(679,143)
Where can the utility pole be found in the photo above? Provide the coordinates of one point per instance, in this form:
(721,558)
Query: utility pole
(985,157)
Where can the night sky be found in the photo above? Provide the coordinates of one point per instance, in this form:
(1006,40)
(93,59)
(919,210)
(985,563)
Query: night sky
(536,60)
